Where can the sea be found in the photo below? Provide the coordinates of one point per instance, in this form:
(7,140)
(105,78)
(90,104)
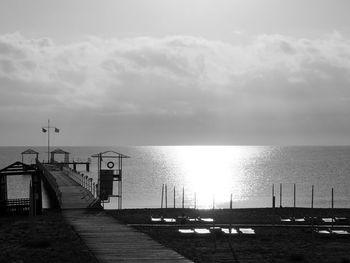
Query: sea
(209,176)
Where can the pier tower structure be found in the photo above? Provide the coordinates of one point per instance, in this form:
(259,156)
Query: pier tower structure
(110,171)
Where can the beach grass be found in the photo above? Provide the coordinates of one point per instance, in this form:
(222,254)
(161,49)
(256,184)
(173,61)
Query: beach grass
(45,238)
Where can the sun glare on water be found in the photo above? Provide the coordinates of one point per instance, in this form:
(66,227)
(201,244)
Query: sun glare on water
(213,173)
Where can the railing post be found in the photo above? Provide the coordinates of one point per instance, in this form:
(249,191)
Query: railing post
(86,182)
(90,185)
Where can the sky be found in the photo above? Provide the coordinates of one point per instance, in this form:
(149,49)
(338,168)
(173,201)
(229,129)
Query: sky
(184,72)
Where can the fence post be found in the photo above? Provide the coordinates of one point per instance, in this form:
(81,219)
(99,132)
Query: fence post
(166,196)
(280,195)
(183,197)
(312,196)
(161,200)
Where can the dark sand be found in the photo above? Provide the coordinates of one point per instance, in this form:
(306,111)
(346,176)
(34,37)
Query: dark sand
(48,238)
(45,238)
(281,243)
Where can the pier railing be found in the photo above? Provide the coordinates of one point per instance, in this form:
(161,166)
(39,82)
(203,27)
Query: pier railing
(83,180)
(47,176)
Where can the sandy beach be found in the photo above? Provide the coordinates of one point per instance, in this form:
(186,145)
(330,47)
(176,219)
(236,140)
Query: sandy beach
(48,238)
(285,242)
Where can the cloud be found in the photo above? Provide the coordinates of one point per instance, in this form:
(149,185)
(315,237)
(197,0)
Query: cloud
(274,82)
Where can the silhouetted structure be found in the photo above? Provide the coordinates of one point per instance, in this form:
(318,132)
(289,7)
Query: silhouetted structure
(33,204)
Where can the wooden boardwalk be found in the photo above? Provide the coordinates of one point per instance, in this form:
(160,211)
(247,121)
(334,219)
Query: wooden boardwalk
(108,239)
(111,241)
(74,196)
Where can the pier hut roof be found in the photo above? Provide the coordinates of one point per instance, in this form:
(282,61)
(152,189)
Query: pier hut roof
(110,154)
(59,151)
(30,151)
(17,168)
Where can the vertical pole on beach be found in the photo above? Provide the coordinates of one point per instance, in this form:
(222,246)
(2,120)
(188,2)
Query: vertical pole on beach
(174,197)
(231,201)
(161,200)
(195,200)
(213,201)
(183,197)
(273,196)
(294,204)
(332,198)
(280,195)
(273,219)
(312,222)
(166,196)
(312,196)
(332,207)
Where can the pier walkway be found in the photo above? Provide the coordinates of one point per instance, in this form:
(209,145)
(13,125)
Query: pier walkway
(108,239)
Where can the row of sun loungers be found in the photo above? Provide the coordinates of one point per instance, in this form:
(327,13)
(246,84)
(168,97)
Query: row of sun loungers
(227,231)
(332,232)
(181,220)
(316,220)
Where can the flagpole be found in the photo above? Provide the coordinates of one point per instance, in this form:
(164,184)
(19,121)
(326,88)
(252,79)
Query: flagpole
(47,129)
(48,141)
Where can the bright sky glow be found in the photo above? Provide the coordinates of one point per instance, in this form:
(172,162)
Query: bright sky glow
(119,72)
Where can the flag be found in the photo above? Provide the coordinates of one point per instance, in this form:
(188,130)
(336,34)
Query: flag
(57,130)
(44,130)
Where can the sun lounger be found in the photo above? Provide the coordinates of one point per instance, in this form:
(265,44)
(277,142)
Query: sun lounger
(192,220)
(156,219)
(247,231)
(340,232)
(328,220)
(322,232)
(201,231)
(206,220)
(299,220)
(286,220)
(227,231)
(186,231)
(169,220)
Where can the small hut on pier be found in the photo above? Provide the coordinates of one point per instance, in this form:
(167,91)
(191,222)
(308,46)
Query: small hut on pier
(61,152)
(29,152)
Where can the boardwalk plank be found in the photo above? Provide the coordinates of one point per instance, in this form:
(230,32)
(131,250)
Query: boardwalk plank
(108,239)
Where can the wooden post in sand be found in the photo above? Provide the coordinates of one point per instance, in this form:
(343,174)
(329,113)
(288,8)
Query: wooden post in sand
(213,201)
(294,205)
(332,199)
(166,196)
(273,219)
(332,208)
(280,195)
(231,202)
(312,196)
(161,201)
(183,197)
(273,196)
(174,197)
(195,200)
(294,196)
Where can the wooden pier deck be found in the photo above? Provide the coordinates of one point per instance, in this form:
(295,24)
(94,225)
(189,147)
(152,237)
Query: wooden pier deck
(108,239)
(111,241)
(73,195)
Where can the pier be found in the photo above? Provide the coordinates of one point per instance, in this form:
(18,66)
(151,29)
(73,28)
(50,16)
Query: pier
(108,239)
